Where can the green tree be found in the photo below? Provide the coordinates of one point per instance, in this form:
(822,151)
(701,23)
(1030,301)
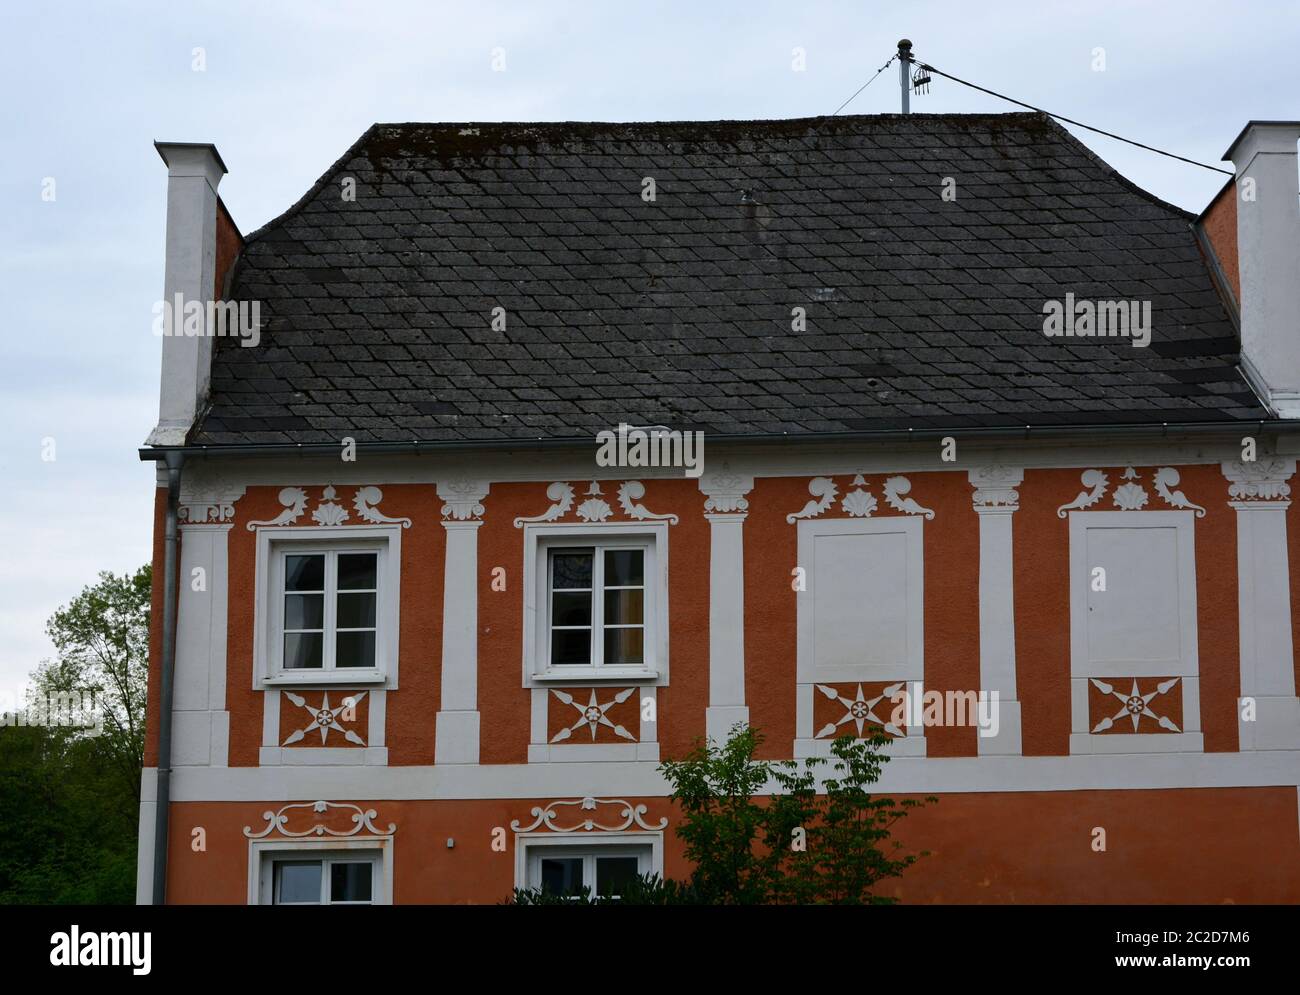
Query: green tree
(102,641)
(69,798)
(820,837)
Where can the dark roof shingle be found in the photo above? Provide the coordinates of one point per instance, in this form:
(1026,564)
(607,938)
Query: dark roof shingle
(921,312)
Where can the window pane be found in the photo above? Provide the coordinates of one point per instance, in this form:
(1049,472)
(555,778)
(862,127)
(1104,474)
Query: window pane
(624,568)
(571,570)
(354,649)
(304,573)
(302,650)
(571,608)
(562,875)
(350,882)
(625,607)
(304,611)
(570,646)
(624,646)
(357,571)
(297,881)
(613,874)
(356,611)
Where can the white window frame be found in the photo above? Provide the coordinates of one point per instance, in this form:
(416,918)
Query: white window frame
(263,853)
(1082,669)
(531,847)
(539,539)
(268,644)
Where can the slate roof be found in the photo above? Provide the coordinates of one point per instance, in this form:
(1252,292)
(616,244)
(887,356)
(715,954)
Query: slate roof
(921,312)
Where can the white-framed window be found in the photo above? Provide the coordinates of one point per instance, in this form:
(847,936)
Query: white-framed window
(566,863)
(327,606)
(595,603)
(1132,619)
(296,872)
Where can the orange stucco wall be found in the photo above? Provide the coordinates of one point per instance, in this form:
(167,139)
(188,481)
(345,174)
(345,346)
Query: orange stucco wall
(1220,225)
(951,611)
(229,245)
(1170,846)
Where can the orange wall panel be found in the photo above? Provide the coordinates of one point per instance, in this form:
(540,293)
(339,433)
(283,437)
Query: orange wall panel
(1173,846)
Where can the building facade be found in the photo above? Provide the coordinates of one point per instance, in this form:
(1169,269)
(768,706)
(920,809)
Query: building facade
(426,645)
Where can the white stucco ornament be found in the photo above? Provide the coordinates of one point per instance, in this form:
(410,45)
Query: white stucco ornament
(1135,706)
(328,512)
(726,491)
(860,710)
(464,499)
(595,509)
(1131,495)
(325,718)
(859,502)
(547,817)
(592,714)
(279,821)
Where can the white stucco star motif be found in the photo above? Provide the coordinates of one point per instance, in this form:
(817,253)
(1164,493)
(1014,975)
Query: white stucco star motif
(860,710)
(592,714)
(326,718)
(1135,705)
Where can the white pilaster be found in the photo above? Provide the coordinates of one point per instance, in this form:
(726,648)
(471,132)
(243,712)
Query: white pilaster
(1260,494)
(457,729)
(726,509)
(995,500)
(200,720)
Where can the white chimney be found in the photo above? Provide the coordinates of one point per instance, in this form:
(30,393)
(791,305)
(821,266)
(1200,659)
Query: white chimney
(193,172)
(1268,250)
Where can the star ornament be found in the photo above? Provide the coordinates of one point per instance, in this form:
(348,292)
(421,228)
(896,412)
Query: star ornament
(326,718)
(592,714)
(860,710)
(1135,705)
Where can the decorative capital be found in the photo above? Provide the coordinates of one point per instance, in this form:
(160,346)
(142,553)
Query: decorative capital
(464,498)
(726,491)
(205,499)
(995,488)
(1259,481)
(210,511)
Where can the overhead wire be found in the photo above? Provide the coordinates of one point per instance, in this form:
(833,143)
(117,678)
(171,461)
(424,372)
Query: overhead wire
(864,86)
(1078,124)
(1020,103)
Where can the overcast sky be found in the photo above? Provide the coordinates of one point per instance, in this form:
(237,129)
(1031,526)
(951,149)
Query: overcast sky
(287,87)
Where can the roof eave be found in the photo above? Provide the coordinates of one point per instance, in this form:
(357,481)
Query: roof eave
(417,447)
